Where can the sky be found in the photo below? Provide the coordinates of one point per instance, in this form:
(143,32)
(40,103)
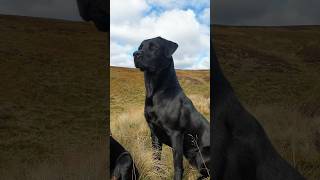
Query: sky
(57,9)
(186,22)
(266,12)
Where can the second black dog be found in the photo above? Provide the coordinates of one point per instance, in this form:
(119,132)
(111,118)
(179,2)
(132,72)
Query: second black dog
(122,166)
(171,116)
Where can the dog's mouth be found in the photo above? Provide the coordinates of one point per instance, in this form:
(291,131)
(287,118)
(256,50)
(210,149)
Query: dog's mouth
(138,60)
(141,68)
(138,64)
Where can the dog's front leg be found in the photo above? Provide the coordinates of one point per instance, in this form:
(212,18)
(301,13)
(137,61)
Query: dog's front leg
(177,149)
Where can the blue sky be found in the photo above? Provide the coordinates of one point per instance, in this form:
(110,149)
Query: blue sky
(185,22)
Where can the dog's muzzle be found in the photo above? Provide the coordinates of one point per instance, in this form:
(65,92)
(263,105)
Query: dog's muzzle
(137,56)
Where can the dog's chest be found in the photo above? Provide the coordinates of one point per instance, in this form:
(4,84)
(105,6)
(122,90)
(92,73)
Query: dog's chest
(157,120)
(158,127)
(152,116)
(161,113)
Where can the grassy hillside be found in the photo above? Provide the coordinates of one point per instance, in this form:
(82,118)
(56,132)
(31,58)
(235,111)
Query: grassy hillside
(272,65)
(127,86)
(53,96)
(128,125)
(275,72)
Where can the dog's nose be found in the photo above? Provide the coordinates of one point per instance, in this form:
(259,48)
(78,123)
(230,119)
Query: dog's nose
(137,54)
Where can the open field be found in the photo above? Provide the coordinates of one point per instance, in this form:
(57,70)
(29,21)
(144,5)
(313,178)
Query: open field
(269,65)
(127,87)
(276,73)
(128,124)
(53,98)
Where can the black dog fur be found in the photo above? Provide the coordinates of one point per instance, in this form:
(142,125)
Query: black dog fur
(240,149)
(96,11)
(122,166)
(171,116)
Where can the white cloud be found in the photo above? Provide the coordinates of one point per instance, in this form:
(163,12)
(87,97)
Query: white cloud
(204,63)
(121,55)
(178,25)
(123,11)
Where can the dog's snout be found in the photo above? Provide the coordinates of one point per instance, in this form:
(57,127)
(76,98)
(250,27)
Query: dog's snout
(137,54)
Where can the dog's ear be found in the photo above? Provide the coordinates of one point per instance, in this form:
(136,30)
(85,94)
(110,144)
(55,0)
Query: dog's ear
(170,48)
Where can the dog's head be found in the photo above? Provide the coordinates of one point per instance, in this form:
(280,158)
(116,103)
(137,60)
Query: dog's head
(154,54)
(96,11)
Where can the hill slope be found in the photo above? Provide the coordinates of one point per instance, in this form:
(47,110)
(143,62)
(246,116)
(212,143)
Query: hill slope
(128,125)
(52,98)
(272,64)
(127,86)
(275,71)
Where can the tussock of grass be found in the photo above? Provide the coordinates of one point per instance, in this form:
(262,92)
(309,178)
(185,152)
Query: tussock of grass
(294,135)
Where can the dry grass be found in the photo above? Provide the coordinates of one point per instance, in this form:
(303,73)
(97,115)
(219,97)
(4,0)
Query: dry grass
(202,104)
(53,99)
(129,126)
(295,136)
(275,71)
(130,129)
(80,164)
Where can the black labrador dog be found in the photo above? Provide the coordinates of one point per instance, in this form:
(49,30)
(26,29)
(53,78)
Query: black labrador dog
(240,148)
(171,116)
(122,166)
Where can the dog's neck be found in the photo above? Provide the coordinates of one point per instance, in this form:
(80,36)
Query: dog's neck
(222,91)
(161,81)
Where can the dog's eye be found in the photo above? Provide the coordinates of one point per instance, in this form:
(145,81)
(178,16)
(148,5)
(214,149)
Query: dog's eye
(140,47)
